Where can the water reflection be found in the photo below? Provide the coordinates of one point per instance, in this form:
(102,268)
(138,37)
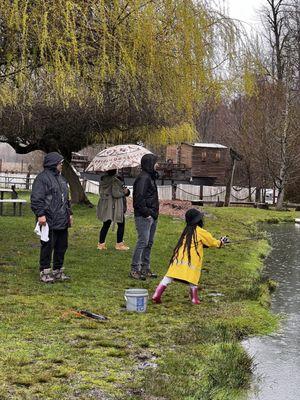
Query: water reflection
(277,357)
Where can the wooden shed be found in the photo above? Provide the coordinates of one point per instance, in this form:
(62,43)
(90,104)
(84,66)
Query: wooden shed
(207,163)
(80,161)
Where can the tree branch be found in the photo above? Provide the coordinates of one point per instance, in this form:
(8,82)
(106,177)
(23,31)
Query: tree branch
(21,149)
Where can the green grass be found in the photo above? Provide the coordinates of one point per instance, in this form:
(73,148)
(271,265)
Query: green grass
(49,352)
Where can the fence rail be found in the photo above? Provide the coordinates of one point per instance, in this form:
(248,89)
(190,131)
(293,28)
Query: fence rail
(191,192)
(183,191)
(19,180)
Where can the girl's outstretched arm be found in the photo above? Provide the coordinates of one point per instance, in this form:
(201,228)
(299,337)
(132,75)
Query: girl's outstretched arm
(208,240)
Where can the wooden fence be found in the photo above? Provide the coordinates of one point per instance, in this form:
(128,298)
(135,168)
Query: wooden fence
(19,180)
(193,192)
(182,191)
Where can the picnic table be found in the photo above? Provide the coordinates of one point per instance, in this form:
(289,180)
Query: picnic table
(14,202)
(2,191)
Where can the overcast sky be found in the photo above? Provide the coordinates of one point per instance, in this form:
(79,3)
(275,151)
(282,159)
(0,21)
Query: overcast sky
(246,10)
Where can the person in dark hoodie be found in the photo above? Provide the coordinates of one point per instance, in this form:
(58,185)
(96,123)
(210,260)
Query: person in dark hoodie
(50,203)
(146,210)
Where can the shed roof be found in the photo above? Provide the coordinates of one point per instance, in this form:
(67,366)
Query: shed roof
(210,145)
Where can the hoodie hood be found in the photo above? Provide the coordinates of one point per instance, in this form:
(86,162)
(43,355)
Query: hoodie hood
(147,163)
(51,160)
(107,180)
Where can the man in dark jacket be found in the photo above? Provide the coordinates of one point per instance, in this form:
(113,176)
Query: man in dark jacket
(146,210)
(50,203)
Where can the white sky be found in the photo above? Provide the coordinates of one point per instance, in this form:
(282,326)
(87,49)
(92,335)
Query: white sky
(246,11)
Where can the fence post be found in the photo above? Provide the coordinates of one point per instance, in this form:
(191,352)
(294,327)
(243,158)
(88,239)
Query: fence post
(229,185)
(201,193)
(174,187)
(27,184)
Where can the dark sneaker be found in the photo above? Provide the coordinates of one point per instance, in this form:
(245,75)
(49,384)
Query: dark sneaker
(46,276)
(150,274)
(59,275)
(137,275)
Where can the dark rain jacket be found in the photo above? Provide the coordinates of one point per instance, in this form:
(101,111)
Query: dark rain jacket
(145,196)
(50,194)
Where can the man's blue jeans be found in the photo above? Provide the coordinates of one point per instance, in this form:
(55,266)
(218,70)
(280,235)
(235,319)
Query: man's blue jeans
(146,228)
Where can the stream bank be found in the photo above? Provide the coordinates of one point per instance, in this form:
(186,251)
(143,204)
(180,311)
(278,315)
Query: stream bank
(277,356)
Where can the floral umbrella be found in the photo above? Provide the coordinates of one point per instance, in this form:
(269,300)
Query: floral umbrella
(117,157)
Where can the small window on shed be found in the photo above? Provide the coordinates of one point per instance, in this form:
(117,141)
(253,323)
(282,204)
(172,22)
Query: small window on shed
(218,156)
(203,156)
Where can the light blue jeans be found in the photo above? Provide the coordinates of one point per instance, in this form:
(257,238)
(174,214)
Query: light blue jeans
(146,228)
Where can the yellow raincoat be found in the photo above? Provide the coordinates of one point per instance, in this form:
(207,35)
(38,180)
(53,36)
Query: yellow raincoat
(181,269)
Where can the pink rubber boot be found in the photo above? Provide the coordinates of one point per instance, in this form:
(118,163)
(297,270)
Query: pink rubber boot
(156,298)
(194,295)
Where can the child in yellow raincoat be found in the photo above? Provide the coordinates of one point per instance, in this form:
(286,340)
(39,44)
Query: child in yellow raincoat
(186,261)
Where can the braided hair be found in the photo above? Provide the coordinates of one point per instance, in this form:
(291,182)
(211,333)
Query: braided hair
(187,239)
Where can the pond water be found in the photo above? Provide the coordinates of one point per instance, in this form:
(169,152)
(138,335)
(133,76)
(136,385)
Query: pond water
(277,356)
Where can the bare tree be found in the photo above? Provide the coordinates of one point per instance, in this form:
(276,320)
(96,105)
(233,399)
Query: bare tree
(282,26)
(274,22)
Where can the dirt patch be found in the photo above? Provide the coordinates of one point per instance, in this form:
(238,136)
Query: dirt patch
(174,208)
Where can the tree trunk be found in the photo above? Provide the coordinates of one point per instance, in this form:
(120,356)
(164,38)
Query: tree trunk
(283,161)
(257,195)
(249,188)
(274,195)
(78,195)
(229,184)
(248,170)
(264,195)
(279,205)
(276,24)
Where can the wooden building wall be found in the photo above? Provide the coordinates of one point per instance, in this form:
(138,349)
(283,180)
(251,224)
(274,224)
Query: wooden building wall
(206,162)
(210,162)
(186,155)
(172,153)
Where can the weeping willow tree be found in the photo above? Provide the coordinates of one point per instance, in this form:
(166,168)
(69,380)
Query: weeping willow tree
(73,71)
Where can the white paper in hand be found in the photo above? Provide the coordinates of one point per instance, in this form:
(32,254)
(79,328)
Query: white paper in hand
(42,231)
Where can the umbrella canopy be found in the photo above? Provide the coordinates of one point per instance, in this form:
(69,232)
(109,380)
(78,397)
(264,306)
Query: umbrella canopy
(117,157)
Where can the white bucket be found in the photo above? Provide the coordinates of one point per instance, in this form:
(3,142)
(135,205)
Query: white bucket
(136,299)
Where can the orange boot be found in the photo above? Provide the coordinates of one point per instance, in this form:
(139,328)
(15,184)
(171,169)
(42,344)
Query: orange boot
(121,246)
(101,246)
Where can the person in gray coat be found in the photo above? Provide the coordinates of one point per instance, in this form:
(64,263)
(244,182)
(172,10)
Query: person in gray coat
(112,207)
(50,203)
